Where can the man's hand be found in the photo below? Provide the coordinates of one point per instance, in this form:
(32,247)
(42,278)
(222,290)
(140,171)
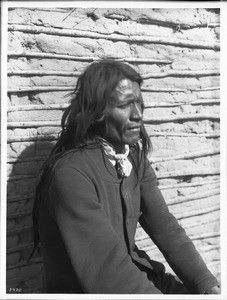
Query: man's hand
(213,290)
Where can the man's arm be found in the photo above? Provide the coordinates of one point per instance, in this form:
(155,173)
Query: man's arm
(97,255)
(171,238)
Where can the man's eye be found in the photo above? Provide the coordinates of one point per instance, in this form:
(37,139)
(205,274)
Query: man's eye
(124,105)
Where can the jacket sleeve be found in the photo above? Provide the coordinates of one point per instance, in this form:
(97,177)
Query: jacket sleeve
(100,262)
(170,237)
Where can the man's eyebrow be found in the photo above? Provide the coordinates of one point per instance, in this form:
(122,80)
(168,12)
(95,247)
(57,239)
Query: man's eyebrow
(129,101)
(133,96)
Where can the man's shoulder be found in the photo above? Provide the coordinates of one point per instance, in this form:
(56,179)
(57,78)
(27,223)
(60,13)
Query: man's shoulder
(139,156)
(79,158)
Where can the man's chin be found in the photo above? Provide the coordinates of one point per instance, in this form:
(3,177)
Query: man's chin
(133,140)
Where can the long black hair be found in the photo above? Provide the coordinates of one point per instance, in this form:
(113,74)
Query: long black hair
(81,120)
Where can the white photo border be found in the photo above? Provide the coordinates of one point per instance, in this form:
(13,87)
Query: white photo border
(223,113)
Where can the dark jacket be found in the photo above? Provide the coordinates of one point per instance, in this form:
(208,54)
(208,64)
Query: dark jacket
(88,221)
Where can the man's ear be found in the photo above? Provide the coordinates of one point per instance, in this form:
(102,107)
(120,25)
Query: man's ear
(100,118)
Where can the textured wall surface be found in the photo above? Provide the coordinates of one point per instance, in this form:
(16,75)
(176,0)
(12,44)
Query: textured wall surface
(177,52)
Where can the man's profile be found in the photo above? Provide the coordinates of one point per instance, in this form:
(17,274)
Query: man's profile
(96,185)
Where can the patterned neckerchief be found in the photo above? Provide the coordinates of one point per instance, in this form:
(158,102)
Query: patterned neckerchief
(120,160)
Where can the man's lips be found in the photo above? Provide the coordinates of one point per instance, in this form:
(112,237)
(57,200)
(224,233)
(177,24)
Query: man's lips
(134,128)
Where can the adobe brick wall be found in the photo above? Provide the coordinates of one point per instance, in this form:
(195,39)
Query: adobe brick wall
(177,52)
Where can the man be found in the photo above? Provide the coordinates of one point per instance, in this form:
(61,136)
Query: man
(95,187)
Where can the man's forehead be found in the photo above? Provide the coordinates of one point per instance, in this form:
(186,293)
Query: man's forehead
(127,85)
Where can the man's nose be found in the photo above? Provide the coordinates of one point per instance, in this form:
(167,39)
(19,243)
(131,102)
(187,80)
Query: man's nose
(137,113)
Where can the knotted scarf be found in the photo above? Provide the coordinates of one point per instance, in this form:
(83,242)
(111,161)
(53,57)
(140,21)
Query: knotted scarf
(120,161)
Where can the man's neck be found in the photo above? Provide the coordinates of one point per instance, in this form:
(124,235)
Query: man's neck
(119,149)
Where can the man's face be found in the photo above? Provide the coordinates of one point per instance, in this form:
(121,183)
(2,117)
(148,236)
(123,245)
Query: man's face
(123,114)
